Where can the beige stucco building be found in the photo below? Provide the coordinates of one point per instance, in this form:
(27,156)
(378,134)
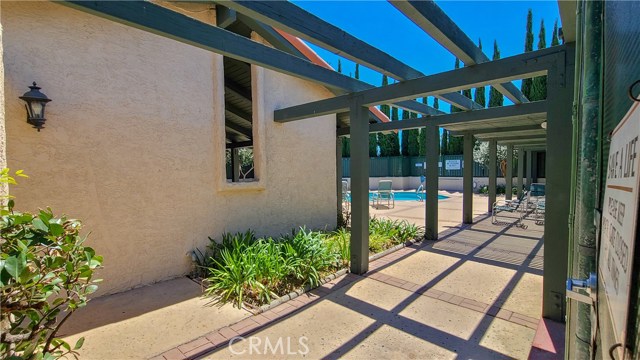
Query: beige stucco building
(135,138)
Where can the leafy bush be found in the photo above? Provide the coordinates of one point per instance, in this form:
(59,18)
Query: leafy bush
(45,275)
(255,271)
(500,189)
(245,269)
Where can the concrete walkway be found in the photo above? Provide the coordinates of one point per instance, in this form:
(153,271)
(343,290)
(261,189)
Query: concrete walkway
(475,293)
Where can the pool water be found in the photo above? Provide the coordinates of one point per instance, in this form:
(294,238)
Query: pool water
(409,196)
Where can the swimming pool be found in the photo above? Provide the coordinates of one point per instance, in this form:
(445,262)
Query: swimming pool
(408,196)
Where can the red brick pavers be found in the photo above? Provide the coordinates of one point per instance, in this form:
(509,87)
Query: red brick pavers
(221,337)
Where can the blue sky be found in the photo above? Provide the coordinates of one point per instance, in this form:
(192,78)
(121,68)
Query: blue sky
(381,25)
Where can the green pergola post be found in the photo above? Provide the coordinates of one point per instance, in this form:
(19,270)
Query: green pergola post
(560,83)
(508,176)
(339,179)
(493,154)
(359,116)
(520,171)
(467,180)
(431,186)
(529,168)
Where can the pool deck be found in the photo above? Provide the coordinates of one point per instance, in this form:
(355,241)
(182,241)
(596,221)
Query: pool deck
(475,293)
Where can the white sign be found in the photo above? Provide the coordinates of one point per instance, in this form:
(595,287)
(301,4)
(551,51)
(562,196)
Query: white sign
(619,219)
(452,165)
(419,164)
(439,163)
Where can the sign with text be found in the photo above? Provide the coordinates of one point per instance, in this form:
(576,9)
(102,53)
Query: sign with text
(452,164)
(620,207)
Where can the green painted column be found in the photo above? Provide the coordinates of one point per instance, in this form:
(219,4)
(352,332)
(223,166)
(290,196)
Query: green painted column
(467,180)
(359,132)
(508,176)
(493,163)
(339,180)
(560,83)
(431,186)
(529,168)
(235,164)
(520,183)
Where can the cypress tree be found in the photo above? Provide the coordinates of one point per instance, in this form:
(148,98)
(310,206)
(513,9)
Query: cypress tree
(394,144)
(444,142)
(404,144)
(373,138)
(554,35)
(339,66)
(479,97)
(539,85)
(457,66)
(495,97)
(527,84)
(413,148)
(357,71)
(346,147)
(436,105)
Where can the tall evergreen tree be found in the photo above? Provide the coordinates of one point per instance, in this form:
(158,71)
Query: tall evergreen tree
(456,66)
(404,143)
(539,86)
(495,97)
(357,71)
(479,97)
(413,147)
(444,142)
(554,35)
(346,147)
(339,66)
(373,138)
(527,84)
(436,105)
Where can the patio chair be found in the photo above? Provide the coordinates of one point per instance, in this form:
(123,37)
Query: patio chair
(383,193)
(346,195)
(516,206)
(538,213)
(420,194)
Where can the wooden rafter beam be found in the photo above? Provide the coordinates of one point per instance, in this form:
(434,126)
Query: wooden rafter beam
(431,19)
(296,21)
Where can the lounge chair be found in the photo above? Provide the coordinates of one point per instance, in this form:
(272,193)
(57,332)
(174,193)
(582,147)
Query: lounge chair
(420,194)
(517,207)
(383,193)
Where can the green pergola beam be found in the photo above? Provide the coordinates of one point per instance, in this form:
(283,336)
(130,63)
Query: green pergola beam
(432,20)
(508,113)
(153,18)
(297,21)
(530,64)
(507,138)
(238,129)
(271,35)
(241,144)
(497,130)
(524,142)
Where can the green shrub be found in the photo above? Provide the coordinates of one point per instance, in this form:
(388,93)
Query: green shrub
(255,271)
(46,273)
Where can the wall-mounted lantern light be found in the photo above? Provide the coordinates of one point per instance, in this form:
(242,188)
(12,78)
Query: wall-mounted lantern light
(36,102)
(543,125)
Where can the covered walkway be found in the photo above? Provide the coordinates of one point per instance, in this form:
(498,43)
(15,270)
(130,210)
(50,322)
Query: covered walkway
(474,293)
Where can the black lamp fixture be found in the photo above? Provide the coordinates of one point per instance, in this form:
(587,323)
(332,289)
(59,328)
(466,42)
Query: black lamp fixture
(36,102)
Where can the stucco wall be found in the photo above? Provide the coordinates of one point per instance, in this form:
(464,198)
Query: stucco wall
(129,143)
(3,143)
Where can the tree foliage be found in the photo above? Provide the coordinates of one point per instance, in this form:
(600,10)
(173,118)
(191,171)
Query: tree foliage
(495,97)
(479,97)
(554,35)
(46,274)
(539,85)
(527,84)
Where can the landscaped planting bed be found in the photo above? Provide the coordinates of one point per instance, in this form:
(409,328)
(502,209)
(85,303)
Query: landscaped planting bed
(245,269)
